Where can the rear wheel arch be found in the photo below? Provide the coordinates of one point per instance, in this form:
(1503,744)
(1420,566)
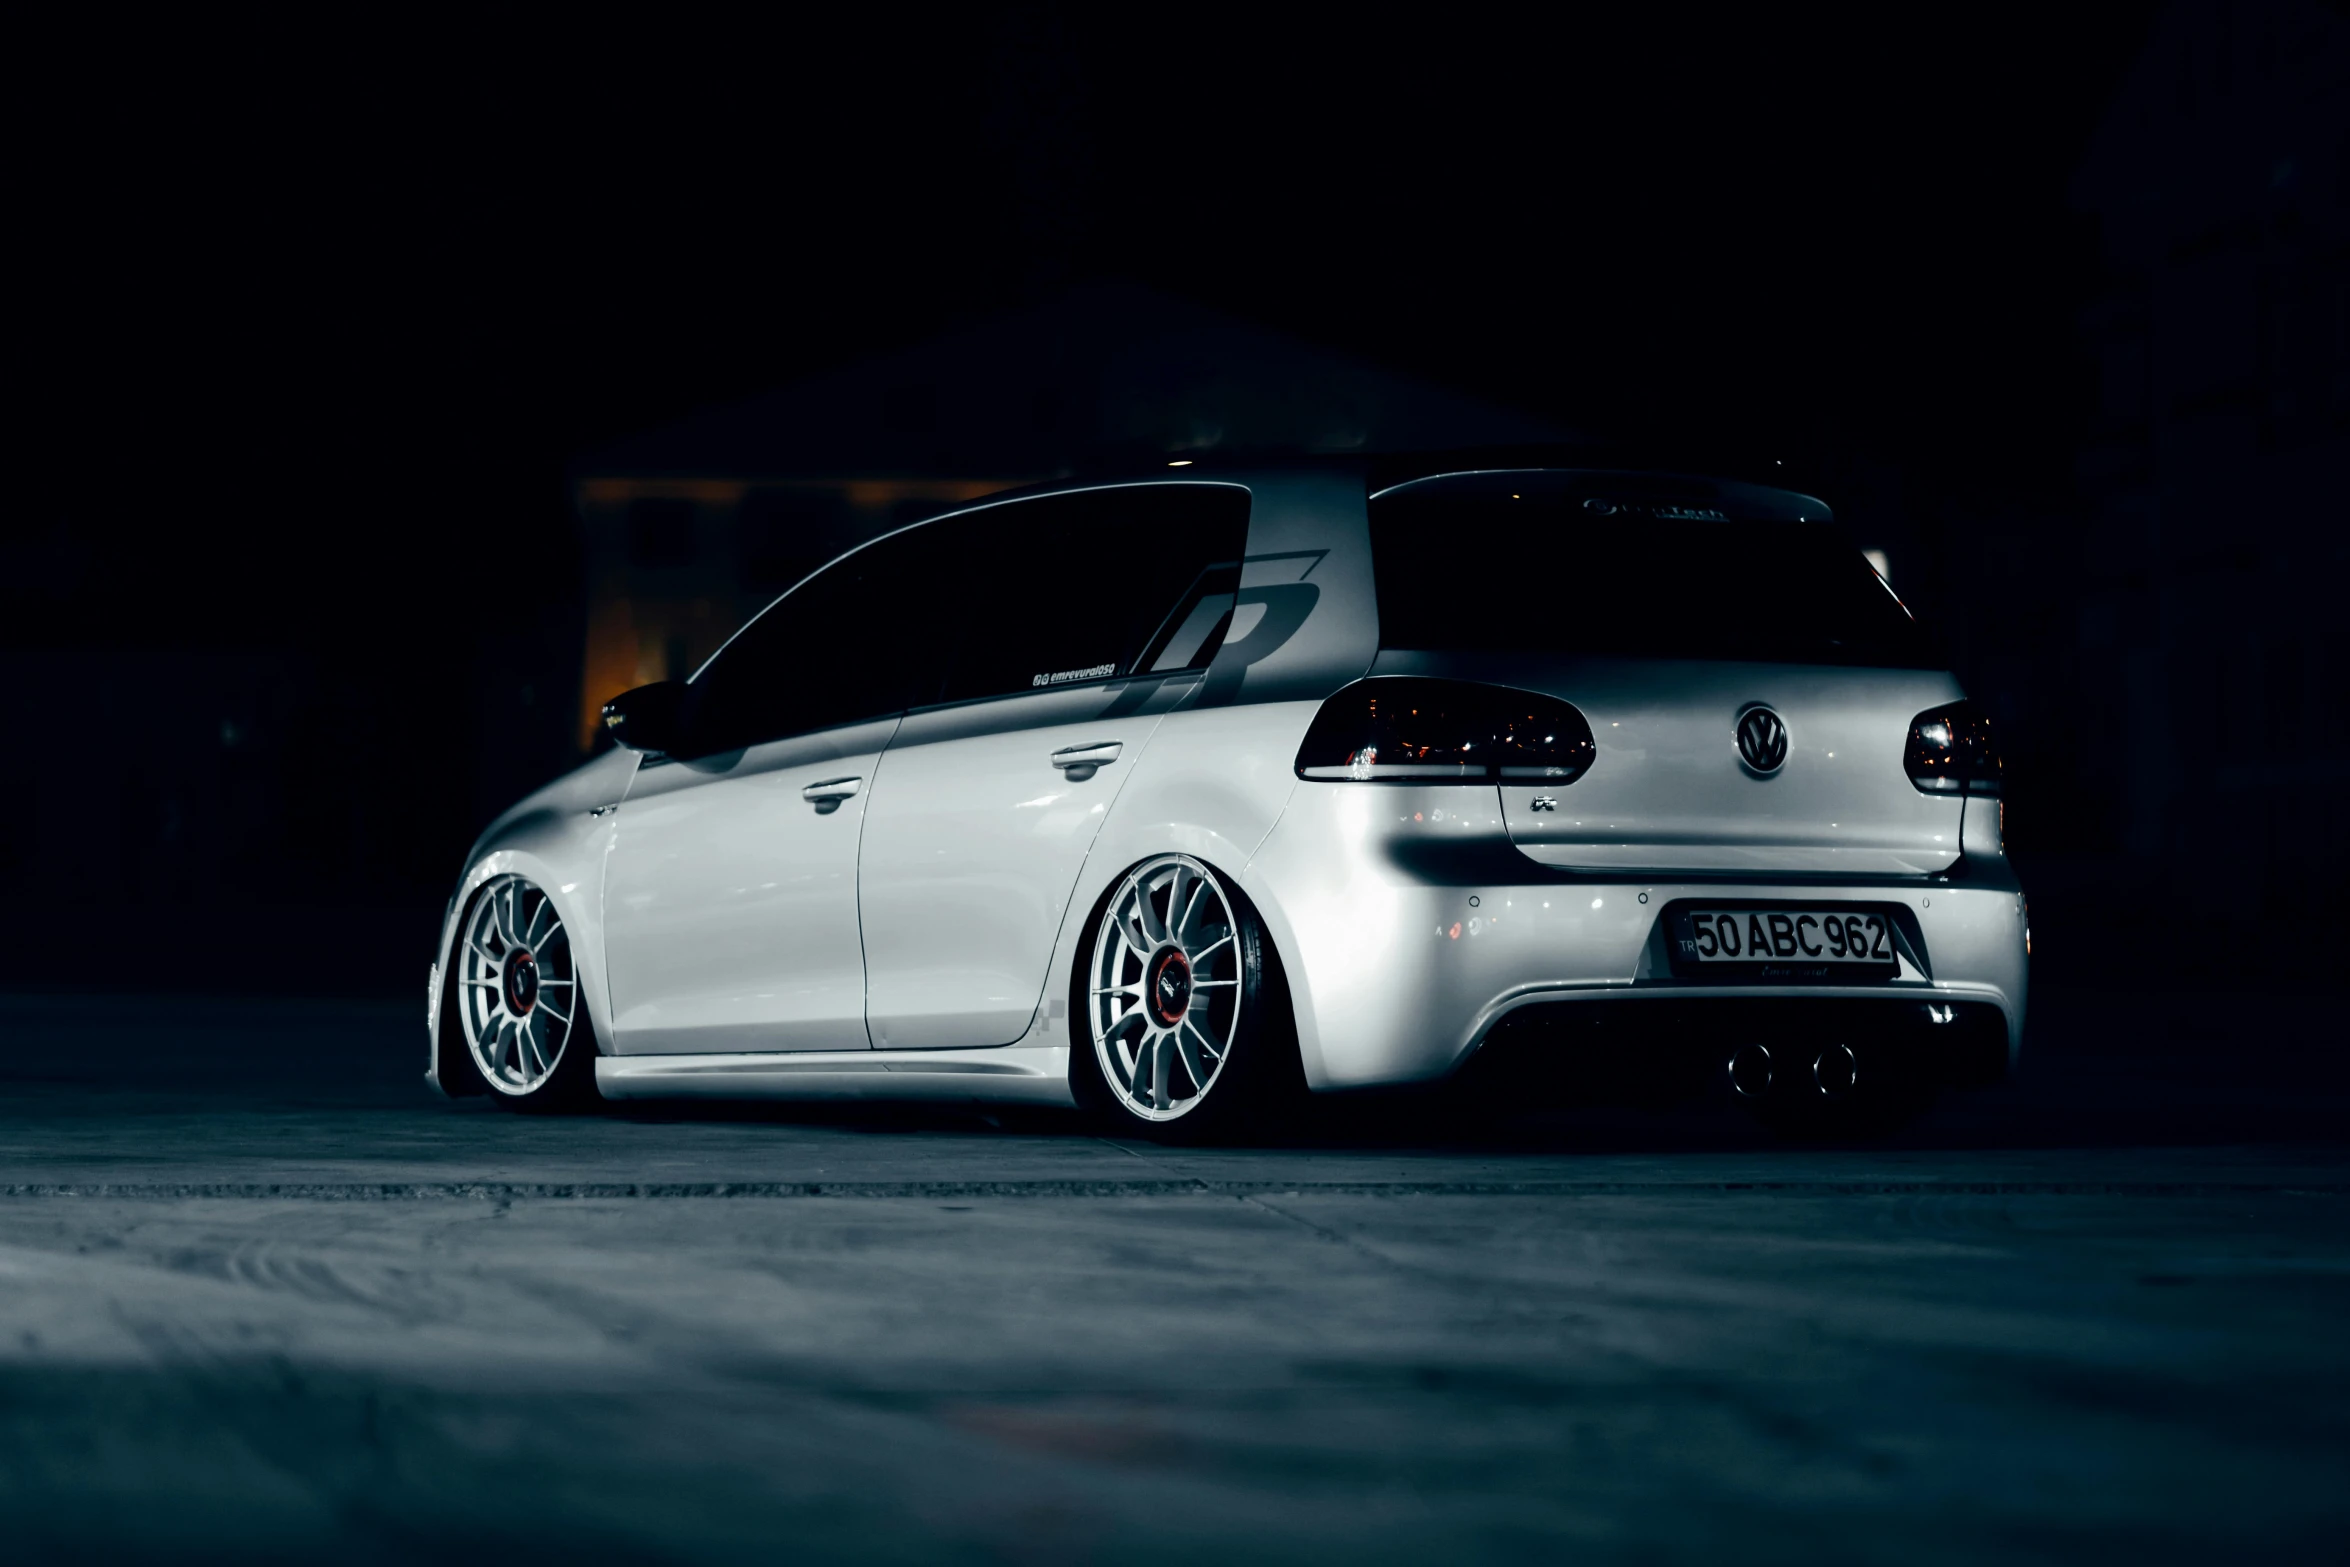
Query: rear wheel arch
(1257,1078)
(1282,941)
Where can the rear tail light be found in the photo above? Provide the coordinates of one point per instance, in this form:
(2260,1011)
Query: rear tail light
(1950,751)
(1409,730)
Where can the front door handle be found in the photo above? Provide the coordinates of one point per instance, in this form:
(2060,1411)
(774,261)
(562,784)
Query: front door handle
(826,796)
(1080,762)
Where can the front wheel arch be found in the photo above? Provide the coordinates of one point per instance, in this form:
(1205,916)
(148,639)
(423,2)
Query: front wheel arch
(570,1084)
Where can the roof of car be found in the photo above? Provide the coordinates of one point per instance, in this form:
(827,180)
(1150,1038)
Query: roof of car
(1385,472)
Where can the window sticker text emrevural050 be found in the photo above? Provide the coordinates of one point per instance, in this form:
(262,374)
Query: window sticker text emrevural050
(1064,677)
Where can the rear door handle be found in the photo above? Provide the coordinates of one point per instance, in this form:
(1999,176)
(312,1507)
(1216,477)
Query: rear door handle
(826,796)
(1100,754)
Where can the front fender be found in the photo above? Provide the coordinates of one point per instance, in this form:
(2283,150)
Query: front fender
(555,840)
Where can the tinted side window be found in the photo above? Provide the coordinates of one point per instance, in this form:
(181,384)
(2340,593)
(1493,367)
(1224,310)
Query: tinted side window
(1068,588)
(866,638)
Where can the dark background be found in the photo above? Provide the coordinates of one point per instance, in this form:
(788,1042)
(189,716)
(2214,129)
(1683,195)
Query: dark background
(309,324)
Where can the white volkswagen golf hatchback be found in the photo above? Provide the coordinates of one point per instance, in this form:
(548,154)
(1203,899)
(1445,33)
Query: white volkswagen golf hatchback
(1177,798)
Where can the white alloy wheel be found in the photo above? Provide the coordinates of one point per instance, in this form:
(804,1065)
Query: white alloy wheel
(517,989)
(1163,989)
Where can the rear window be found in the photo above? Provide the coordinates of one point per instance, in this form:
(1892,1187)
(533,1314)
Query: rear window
(1629,565)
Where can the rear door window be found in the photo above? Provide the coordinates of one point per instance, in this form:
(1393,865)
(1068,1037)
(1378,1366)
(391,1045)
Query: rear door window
(1634,565)
(1066,589)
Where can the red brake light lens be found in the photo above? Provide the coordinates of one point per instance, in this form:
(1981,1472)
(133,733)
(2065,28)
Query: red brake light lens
(1951,751)
(1408,730)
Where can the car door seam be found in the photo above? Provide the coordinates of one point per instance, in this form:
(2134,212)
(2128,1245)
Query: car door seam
(857,877)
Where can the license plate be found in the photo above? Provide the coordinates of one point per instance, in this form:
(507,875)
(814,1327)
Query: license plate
(1787,941)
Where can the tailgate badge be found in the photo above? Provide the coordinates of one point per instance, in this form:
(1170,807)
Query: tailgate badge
(1762,740)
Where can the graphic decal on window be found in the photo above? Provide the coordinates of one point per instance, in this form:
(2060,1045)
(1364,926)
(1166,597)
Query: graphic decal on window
(1274,600)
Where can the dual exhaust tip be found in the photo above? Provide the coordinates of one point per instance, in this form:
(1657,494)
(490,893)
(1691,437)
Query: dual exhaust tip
(1835,1071)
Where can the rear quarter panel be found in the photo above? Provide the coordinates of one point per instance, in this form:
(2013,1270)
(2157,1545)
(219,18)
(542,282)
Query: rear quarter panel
(1221,767)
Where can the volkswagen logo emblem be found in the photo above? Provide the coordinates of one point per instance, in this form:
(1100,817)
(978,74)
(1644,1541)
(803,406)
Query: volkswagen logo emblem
(1762,741)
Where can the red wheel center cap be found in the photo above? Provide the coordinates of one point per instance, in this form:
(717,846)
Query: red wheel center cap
(1169,984)
(522,983)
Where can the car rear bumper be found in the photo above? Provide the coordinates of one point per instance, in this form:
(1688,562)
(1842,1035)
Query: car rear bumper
(1410,927)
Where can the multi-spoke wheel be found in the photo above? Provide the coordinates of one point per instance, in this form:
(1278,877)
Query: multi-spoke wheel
(518,997)
(1173,990)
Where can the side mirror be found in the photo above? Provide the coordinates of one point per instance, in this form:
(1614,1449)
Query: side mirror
(647,719)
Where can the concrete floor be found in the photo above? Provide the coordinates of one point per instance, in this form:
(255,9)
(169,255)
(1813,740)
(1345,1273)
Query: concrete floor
(261,1296)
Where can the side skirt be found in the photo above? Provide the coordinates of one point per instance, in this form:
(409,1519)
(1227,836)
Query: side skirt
(1014,1074)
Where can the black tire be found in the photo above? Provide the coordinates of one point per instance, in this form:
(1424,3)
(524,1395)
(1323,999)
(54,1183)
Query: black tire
(570,1090)
(1257,1086)
(512,1080)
